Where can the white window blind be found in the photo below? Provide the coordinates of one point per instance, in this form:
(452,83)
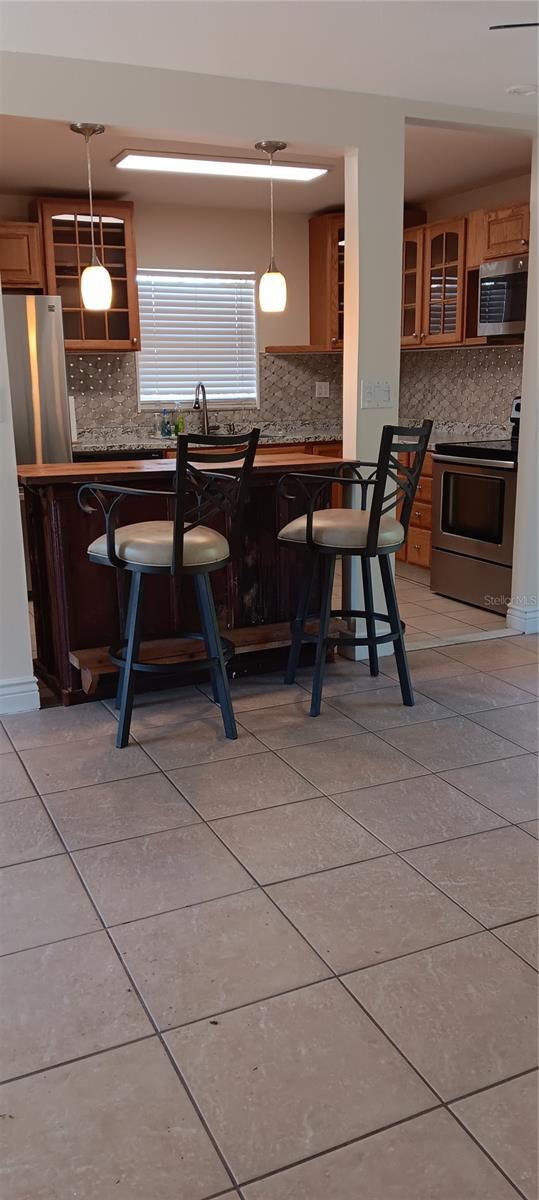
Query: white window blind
(197,326)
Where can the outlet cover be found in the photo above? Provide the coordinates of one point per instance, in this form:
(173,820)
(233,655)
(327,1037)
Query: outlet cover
(375,393)
(322,391)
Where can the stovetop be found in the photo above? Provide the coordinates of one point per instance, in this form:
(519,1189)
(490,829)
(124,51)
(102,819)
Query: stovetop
(502,449)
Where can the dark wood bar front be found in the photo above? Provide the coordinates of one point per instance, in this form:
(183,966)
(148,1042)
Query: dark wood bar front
(79,607)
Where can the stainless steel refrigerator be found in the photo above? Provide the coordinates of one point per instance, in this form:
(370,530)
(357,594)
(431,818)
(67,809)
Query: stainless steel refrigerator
(37,378)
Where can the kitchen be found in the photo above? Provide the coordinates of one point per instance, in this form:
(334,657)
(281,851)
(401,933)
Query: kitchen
(456,372)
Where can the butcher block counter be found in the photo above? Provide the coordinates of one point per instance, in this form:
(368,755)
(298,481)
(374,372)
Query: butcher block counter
(79,607)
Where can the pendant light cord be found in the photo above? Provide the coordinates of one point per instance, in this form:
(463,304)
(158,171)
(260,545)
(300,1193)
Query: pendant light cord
(271,211)
(90,197)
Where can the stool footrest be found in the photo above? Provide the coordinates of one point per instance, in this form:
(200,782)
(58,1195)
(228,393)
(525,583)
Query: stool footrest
(196,663)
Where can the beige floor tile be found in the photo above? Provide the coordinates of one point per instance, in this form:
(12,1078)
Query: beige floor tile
(416,812)
(352,762)
(344,675)
(385,709)
(199,741)
(453,742)
(26,832)
(124,808)
(175,706)
(14,781)
(41,902)
(504,1121)
(472,692)
(520,724)
(492,655)
(293,1076)
(425,664)
(64,1001)
(464,1014)
(5,744)
(261,691)
(94,761)
(442,624)
(77,1131)
(508,786)
(290,725)
(531,827)
(359,915)
(428,1157)
(493,875)
(409,609)
(257,781)
(526,677)
(202,960)
(59,726)
(523,937)
(481,618)
(152,874)
(295,839)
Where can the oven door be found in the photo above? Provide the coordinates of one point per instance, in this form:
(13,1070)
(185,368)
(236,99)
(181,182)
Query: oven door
(473,509)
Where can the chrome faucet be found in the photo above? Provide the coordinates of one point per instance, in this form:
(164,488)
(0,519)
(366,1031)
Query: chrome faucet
(200,392)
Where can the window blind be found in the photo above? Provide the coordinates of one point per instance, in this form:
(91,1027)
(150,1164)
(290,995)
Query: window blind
(197,326)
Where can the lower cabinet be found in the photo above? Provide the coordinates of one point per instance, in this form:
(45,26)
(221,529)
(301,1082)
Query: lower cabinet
(417,547)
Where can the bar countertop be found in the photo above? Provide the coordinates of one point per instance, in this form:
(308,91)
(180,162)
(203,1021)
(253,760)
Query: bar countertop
(45,473)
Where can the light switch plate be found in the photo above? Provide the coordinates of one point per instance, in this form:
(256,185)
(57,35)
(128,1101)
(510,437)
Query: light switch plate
(375,393)
(321,391)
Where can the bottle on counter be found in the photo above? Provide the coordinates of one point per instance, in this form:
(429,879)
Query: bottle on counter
(166,428)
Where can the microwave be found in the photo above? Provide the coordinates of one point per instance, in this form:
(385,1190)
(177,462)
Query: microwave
(502,296)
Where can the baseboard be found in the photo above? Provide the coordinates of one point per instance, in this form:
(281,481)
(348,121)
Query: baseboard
(526,620)
(19,695)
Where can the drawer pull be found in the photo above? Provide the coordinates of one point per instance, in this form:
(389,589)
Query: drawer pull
(416,547)
(417,513)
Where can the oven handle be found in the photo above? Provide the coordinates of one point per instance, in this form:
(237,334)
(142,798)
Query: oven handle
(475,462)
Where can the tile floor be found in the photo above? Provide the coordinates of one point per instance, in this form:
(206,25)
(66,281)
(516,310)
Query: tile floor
(300,966)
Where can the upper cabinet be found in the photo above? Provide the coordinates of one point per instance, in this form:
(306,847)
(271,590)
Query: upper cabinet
(20,255)
(326,281)
(443,292)
(412,287)
(66,233)
(507,231)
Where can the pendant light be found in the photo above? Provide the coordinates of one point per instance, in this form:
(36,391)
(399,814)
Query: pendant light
(272,286)
(95,281)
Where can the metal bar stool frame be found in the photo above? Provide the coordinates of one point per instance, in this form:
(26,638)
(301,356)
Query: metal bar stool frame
(215,492)
(403,479)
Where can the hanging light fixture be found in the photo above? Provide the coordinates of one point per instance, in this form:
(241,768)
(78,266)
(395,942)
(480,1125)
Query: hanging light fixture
(95,281)
(272,286)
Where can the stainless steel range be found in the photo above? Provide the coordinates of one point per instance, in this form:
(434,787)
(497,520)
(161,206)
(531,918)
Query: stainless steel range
(473,517)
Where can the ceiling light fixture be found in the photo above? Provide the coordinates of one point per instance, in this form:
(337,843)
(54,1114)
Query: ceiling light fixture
(272,286)
(174,164)
(95,281)
(523,89)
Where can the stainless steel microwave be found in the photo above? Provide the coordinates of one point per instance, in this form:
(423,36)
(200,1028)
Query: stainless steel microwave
(502,296)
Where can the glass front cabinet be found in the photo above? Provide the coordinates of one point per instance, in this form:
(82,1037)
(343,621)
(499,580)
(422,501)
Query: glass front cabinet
(443,283)
(326,281)
(66,233)
(412,287)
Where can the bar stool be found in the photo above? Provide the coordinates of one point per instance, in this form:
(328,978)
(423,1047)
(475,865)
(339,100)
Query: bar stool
(368,532)
(185,545)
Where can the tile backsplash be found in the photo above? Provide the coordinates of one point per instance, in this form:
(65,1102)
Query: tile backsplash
(465,391)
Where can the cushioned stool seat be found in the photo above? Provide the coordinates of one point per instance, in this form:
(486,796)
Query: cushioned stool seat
(150,544)
(343,527)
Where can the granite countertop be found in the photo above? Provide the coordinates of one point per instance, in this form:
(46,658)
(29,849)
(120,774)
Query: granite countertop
(109,439)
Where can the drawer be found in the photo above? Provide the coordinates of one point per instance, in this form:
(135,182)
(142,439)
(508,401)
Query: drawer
(424,489)
(421,516)
(401,554)
(427,465)
(418,547)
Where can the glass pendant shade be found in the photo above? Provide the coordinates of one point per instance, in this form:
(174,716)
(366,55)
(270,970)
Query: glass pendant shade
(96,288)
(272,291)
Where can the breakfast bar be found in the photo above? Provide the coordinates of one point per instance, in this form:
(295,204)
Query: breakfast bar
(79,608)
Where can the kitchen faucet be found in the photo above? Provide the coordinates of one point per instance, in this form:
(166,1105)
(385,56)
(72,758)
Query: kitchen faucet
(200,391)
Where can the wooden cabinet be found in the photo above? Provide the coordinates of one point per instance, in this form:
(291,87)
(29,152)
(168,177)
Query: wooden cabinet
(417,547)
(20,255)
(443,291)
(412,286)
(507,231)
(66,232)
(326,281)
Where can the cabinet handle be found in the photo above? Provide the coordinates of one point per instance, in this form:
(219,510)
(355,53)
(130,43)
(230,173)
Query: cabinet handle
(420,487)
(524,242)
(415,335)
(417,513)
(416,547)
(134,341)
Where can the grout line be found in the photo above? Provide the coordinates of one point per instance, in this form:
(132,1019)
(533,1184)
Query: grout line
(68,1062)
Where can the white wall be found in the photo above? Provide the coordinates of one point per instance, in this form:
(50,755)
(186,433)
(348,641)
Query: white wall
(493,195)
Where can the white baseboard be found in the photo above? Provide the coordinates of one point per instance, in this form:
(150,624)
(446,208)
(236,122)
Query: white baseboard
(19,695)
(526,620)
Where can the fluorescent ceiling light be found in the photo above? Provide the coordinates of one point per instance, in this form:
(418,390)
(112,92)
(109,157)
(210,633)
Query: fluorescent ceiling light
(131,160)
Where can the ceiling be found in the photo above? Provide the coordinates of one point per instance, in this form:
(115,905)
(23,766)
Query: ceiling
(439,50)
(42,157)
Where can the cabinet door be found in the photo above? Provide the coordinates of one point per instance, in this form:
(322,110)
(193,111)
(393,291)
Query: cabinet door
(326,280)
(412,287)
(507,231)
(20,255)
(443,283)
(67,243)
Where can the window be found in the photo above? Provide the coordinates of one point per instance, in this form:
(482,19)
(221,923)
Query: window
(197,326)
